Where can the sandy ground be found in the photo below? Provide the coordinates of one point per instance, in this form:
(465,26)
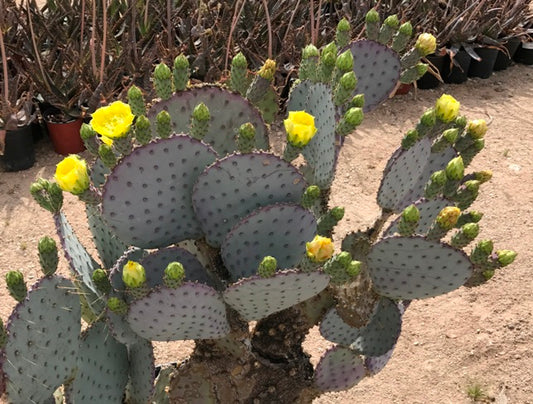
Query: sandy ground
(480,337)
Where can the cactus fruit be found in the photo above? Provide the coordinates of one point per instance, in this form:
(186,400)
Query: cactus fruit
(201,229)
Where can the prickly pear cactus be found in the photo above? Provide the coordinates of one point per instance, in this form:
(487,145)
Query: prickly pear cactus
(205,233)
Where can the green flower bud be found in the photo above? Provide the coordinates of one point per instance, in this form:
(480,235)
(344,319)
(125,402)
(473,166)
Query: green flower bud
(310,196)
(117,305)
(337,213)
(201,112)
(101,281)
(439,177)
(107,155)
(48,256)
(461,121)
(47,245)
(477,128)
(406,29)
(175,271)
(428,118)
(455,169)
(163,124)
(421,69)
(505,257)
(136,100)
(47,194)
(358,101)
(143,133)
(133,274)
(354,268)
(329,54)
(472,185)
(162,72)
(485,246)
(181,62)
(354,116)
(310,51)
(372,16)
(470,230)
(411,214)
(410,138)
(344,258)
(483,176)
(345,61)
(489,273)
(16,285)
(451,135)
(239,61)
(392,21)
(87,132)
(267,267)
(343,25)
(247,131)
(348,81)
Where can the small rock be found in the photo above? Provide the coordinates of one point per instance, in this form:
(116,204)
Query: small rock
(515,167)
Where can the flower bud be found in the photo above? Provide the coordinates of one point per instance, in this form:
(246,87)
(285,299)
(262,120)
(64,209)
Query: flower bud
(483,176)
(267,267)
(239,61)
(175,271)
(101,281)
(320,249)
(477,128)
(86,131)
(406,29)
(117,305)
(354,268)
(470,230)
(71,175)
(300,127)
(181,62)
(133,274)
(372,16)
(410,138)
(485,246)
(247,131)
(343,25)
(344,258)
(268,70)
(411,214)
(329,55)
(428,118)
(16,285)
(426,44)
(451,135)
(354,116)
(393,22)
(337,213)
(455,169)
(461,121)
(505,257)
(310,51)
(345,61)
(201,113)
(310,196)
(447,108)
(358,101)
(348,81)
(447,217)
(439,177)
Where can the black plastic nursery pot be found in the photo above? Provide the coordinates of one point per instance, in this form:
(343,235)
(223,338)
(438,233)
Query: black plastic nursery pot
(456,71)
(503,60)
(19,153)
(428,80)
(524,53)
(484,68)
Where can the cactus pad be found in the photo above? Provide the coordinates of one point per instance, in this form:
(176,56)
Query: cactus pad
(40,353)
(375,339)
(228,111)
(142,372)
(102,369)
(315,99)
(98,172)
(192,311)
(109,246)
(377,68)
(255,297)
(429,209)
(80,262)
(416,268)
(237,185)
(147,197)
(407,173)
(339,369)
(280,231)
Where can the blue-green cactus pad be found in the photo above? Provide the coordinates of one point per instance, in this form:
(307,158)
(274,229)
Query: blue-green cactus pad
(377,68)
(108,245)
(103,368)
(408,172)
(375,339)
(237,185)
(80,262)
(316,99)
(192,311)
(228,112)
(43,331)
(98,173)
(147,196)
(416,268)
(280,231)
(255,297)
(142,372)
(339,369)
(429,209)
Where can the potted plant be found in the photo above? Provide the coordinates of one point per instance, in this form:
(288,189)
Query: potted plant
(16,107)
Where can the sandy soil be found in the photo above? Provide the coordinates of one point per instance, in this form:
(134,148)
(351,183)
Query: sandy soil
(472,337)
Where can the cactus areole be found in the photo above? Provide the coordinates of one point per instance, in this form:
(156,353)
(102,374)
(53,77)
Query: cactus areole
(202,230)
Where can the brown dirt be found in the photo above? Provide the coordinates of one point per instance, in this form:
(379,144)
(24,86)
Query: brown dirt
(481,336)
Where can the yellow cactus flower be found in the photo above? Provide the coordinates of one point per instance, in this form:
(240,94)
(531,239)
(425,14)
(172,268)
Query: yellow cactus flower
(106,140)
(320,249)
(112,121)
(133,274)
(426,44)
(71,175)
(300,127)
(447,108)
(477,128)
